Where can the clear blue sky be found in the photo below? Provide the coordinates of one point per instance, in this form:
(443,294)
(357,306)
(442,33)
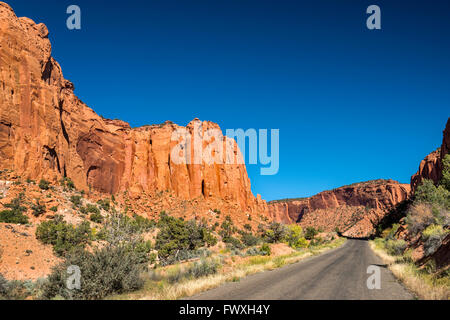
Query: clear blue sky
(351,104)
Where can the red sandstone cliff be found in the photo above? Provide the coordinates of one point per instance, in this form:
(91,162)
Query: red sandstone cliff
(355,210)
(431,166)
(47,132)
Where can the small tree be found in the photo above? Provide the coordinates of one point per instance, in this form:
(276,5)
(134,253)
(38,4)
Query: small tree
(295,237)
(276,232)
(38,208)
(310,233)
(44,184)
(445,181)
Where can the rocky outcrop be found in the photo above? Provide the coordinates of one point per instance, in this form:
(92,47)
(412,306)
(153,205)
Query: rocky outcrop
(355,210)
(431,167)
(47,132)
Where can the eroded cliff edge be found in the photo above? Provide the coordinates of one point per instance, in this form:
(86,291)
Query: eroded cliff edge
(47,132)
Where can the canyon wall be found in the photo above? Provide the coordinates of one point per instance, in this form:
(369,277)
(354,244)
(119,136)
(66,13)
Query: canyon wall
(47,132)
(354,210)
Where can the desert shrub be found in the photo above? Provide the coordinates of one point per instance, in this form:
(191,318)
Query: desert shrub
(105,271)
(392,232)
(202,269)
(143,224)
(91,208)
(427,192)
(419,217)
(249,240)
(76,200)
(233,243)
(248,227)
(67,183)
(396,247)
(265,248)
(116,267)
(310,233)
(276,232)
(184,255)
(15,212)
(176,235)
(257,252)
(433,236)
(54,208)
(96,217)
(10,216)
(19,290)
(316,242)
(104,204)
(227,229)
(3,288)
(44,184)
(38,208)
(295,237)
(63,236)
(445,180)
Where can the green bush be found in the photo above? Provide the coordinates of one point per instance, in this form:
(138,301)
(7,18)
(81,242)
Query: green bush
(249,240)
(44,184)
(19,290)
(63,236)
(445,180)
(91,208)
(427,192)
(67,182)
(396,247)
(433,236)
(276,232)
(316,242)
(196,270)
(104,204)
(295,237)
(311,233)
(265,248)
(76,200)
(233,243)
(110,270)
(15,213)
(96,217)
(54,208)
(38,208)
(227,228)
(176,235)
(113,269)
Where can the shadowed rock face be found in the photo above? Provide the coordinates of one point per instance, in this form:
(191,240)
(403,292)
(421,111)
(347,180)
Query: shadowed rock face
(47,132)
(431,167)
(355,210)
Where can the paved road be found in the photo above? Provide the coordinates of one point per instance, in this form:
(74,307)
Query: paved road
(340,274)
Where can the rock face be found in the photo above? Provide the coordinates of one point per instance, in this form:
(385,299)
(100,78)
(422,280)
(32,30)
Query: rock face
(355,210)
(47,132)
(431,166)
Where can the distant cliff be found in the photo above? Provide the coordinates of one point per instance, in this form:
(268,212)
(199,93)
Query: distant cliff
(354,210)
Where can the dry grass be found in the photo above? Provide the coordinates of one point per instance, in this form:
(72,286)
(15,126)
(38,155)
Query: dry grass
(422,284)
(162,290)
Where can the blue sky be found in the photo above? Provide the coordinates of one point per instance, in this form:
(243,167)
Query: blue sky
(351,104)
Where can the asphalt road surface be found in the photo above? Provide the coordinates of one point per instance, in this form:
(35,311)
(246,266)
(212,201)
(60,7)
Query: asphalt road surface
(339,274)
